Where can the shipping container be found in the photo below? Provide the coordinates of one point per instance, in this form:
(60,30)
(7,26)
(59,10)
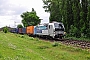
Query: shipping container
(24,30)
(13,30)
(35,30)
(30,30)
(16,30)
(20,30)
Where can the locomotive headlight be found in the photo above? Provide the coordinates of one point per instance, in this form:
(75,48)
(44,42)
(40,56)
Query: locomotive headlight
(54,32)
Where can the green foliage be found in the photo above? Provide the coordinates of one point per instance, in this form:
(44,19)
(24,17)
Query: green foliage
(22,36)
(19,26)
(31,38)
(47,5)
(77,32)
(55,44)
(30,18)
(53,6)
(88,19)
(88,33)
(74,32)
(5,29)
(70,12)
(71,30)
(37,39)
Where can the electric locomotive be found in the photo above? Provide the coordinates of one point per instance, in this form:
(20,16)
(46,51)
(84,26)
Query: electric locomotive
(53,30)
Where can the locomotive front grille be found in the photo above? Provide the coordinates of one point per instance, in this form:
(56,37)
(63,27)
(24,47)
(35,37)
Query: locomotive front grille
(59,32)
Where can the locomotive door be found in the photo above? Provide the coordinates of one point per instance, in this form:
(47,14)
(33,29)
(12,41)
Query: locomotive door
(50,31)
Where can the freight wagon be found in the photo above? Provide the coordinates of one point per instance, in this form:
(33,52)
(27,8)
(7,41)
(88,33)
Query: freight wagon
(14,30)
(23,30)
(20,30)
(30,30)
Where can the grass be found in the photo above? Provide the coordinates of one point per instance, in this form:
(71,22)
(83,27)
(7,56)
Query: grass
(23,47)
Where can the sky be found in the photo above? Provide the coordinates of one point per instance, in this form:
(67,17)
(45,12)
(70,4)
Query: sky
(10,11)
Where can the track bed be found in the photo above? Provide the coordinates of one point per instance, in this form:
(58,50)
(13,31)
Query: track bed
(76,43)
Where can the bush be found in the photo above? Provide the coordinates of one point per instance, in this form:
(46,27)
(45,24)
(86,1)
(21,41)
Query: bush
(31,38)
(74,32)
(88,33)
(5,29)
(55,44)
(22,36)
(37,39)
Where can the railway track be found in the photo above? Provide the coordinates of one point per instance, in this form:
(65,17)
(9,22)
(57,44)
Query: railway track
(76,43)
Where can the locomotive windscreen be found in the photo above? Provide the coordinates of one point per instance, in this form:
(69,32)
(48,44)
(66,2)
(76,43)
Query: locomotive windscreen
(58,27)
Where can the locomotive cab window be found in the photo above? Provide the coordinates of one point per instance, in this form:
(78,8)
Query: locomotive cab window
(42,27)
(58,27)
(49,26)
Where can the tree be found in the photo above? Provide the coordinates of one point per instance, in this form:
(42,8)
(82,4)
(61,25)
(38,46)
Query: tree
(74,13)
(68,15)
(30,18)
(47,5)
(60,11)
(84,23)
(53,6)
(88,19)
(19,26)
